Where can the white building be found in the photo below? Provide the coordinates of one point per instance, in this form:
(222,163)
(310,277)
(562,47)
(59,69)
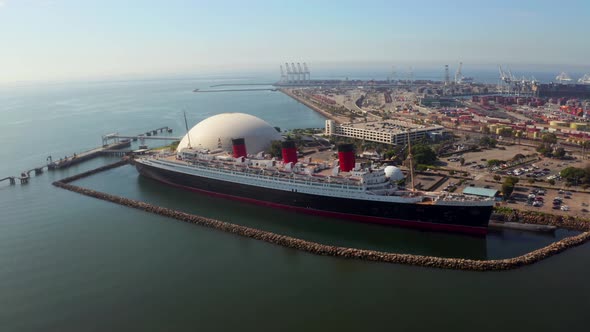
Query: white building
(216,132)
(393,132)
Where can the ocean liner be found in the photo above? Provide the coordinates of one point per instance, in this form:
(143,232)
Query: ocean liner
(340,189)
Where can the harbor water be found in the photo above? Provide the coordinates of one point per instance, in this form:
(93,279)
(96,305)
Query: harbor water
(73,263)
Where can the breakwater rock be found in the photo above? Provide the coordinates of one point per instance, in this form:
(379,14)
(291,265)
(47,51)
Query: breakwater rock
(540,218)
(79,176)
(328,250)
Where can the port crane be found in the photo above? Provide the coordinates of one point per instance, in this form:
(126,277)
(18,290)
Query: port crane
(284,77)
(300,73)
(294,72)
(563,78)
(585,79)
(289,74)
(459,78)
(306,72)
(391,77)
(514,84)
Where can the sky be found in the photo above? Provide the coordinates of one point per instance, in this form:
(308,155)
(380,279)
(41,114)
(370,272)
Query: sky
(79,39)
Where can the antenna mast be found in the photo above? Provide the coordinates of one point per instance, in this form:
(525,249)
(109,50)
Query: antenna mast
(187,132)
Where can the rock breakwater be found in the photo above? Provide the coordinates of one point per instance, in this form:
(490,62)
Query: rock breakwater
(322,249)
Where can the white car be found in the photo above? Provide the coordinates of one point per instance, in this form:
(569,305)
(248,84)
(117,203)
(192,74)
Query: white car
(565,208)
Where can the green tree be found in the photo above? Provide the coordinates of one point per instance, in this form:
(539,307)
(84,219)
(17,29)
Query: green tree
(508,186)
(423,154)
(559,153)
(575,175)
(487,141)
(518,156)
(275,149)
(505,132)
(549,138)
(511,179)
(494,162)
(507,189)
(544,150)
(388,154)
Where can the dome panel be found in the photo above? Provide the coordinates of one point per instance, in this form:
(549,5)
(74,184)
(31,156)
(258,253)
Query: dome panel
(394,173)
(218,131)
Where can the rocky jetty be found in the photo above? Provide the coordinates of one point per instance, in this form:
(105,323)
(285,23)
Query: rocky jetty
(344,252)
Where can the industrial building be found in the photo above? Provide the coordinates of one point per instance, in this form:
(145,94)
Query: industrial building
(393,132)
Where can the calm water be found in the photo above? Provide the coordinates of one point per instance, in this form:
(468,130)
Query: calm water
(72,263)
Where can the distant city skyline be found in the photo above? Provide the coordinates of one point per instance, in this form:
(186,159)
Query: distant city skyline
(68,39)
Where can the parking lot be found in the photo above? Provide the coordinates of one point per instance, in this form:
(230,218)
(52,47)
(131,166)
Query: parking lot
(576,203)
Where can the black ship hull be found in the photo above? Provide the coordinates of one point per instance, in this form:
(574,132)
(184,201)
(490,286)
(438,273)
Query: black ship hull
(463,219)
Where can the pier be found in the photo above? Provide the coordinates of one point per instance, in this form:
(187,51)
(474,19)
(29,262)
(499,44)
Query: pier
(112,145)
(68,161)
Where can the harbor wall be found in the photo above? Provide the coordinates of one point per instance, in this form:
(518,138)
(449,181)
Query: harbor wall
(312,106)
(335,251)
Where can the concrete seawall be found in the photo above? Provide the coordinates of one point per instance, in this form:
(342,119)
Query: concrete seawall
(311,105)
(327,250)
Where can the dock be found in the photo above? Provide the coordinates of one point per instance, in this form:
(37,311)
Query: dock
(68,161)
(112,145)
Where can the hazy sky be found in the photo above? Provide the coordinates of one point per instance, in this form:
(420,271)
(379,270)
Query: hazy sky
(63,39)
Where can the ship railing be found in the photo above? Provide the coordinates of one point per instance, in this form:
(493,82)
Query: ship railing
(275,178)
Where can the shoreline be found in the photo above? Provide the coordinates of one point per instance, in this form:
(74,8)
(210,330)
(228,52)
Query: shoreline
(311,106)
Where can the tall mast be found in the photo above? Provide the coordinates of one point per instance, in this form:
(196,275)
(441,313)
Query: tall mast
(411,161)
(187,132)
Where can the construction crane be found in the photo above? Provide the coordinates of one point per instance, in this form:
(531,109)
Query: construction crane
(300,73)
(306,72)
